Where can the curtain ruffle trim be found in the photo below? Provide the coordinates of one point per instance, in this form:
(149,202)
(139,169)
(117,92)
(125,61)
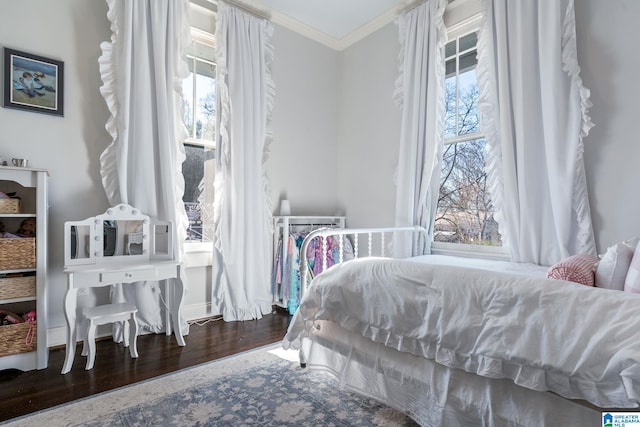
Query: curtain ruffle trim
(106,64)
(401,22)
(489,111)
(585,237)
(398,91)
(221,81)
(223,146)
(269,102)
(230,314)
(399,87)
(424,215)
(181,71)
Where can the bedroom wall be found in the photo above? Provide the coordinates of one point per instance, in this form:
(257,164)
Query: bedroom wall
(607,33)
(70,146)
(369,129)
(370,123)
(303,160)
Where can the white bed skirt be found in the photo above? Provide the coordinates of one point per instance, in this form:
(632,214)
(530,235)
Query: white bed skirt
(431,393)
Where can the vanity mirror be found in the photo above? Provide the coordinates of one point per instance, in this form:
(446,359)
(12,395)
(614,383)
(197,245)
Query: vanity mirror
(120,237)
(122,233)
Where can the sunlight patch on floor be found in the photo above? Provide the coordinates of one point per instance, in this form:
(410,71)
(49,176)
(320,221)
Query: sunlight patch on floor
(290,355)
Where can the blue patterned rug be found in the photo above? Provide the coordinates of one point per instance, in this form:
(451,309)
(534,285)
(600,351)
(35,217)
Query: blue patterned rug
(257,388)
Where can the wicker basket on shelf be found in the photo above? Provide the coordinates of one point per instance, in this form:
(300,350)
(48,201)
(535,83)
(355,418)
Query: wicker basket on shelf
(17,253)
(9,206)
(17,338)
(17,287)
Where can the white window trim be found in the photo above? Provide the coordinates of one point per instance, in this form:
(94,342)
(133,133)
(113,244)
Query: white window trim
(198,253)
(457,27)
(202,37)
(499,253)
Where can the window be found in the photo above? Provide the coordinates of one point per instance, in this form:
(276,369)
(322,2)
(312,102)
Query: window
(465,213)
(199,115)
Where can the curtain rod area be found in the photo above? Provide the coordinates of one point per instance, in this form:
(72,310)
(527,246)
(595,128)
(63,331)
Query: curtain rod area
(213,5)
(410,6)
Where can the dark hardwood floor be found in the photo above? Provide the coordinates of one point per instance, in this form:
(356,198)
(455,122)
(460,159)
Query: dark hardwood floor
(25,392)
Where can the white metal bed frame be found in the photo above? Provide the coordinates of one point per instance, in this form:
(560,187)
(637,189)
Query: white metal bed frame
(417,234)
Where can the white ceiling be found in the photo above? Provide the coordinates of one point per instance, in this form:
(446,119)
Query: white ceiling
(334,23)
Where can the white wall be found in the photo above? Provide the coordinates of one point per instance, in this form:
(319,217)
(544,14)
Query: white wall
(369,129)
(303,160)
(70,146)
(607,51)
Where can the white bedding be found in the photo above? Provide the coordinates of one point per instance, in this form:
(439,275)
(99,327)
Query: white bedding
(432,394)
(547,335)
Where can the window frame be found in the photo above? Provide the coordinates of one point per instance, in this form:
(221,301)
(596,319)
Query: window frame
(456,30)
(198,246)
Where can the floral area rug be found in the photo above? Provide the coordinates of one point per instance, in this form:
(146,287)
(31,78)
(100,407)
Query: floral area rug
(263,387)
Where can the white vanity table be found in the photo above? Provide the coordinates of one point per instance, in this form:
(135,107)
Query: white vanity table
(120,246)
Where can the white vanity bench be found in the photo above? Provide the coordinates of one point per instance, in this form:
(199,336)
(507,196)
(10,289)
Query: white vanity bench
(120,246)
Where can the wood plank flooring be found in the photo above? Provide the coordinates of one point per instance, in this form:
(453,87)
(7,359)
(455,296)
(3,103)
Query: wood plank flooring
(25,392)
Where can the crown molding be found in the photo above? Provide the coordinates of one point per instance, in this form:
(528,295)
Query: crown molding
(312,33)
(368,29)
(304,30)
(327,40)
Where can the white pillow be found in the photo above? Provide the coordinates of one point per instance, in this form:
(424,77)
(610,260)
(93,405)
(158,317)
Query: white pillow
(612,269)
(632,281)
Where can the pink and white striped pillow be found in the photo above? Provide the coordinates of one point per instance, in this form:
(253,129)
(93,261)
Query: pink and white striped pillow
(576,268)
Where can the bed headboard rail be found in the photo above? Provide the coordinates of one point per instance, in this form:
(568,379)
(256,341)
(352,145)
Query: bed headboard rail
(416,233)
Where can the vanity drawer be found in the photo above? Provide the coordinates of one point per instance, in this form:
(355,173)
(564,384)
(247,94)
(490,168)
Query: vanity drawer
(129,276)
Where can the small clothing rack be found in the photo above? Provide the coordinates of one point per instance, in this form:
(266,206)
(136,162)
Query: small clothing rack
(288,234)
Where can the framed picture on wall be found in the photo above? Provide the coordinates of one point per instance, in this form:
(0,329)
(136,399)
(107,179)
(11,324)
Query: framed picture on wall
(32,83)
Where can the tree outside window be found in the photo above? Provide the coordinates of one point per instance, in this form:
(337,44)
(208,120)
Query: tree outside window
(465,213)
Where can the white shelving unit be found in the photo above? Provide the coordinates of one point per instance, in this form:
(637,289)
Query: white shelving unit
(31,186)
(283,225)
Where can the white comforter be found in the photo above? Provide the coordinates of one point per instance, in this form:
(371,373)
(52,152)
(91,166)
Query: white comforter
(548,335)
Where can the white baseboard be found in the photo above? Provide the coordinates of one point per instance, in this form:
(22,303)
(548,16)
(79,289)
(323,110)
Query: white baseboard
(58,336)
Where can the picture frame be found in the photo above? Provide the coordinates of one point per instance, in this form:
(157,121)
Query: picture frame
(32,83)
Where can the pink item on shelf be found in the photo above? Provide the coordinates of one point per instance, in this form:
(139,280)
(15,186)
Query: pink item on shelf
(29,316)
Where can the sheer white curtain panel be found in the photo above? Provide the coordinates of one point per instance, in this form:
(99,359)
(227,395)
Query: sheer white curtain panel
(419,92)
(535,110)
(242,212)
(142,68)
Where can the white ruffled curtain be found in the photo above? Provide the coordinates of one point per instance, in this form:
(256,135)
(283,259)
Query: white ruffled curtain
(142,68)
(535,110)
(420,93)
(242,213)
